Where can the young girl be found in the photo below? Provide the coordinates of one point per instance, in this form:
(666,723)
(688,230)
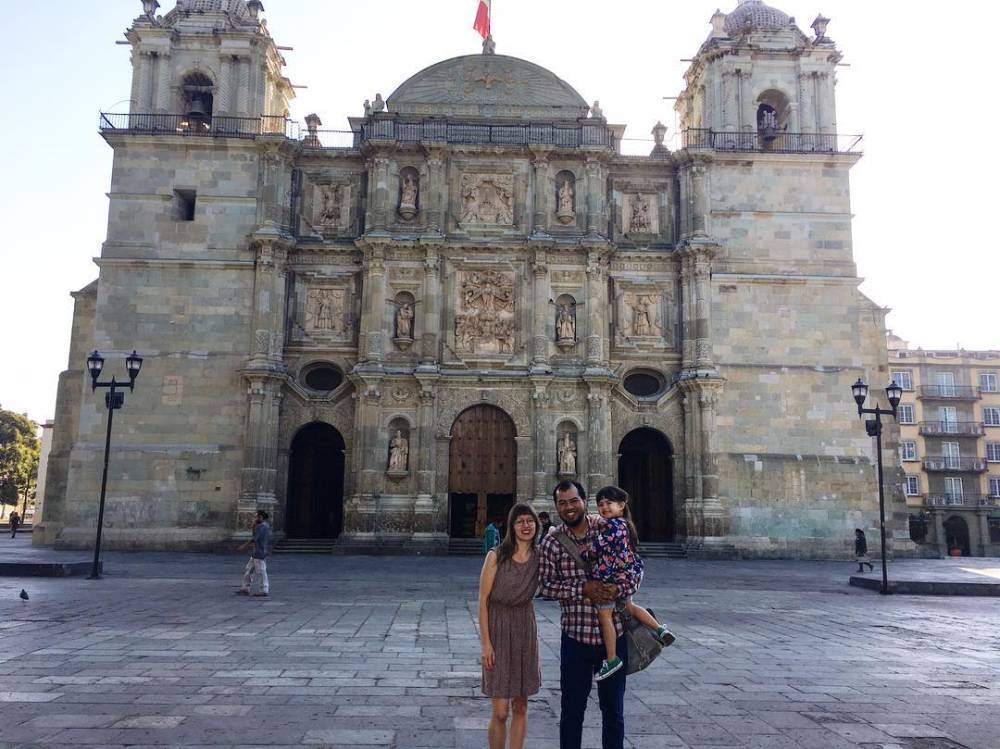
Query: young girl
(614,556)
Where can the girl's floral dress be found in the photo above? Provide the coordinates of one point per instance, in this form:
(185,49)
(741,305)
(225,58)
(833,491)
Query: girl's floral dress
(612,558)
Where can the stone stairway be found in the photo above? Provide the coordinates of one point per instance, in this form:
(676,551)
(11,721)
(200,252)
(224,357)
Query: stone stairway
(663,550)
(465,547)
(304,546)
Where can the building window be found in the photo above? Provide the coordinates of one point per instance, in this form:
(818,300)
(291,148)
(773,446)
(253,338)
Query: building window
(995,487)
(908,450)
(993,452)
(906,414)
(991,417)
(184,204)
(953,488)
(903,378)
(912,486)
(988,382)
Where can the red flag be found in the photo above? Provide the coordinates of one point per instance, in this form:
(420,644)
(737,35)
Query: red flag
(482,24)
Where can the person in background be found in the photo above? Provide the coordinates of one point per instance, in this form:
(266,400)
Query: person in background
(546,521)
(861,550)
(256,569)
(491,537)
(15,523)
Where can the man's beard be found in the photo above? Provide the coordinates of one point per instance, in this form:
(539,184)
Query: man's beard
(580,519)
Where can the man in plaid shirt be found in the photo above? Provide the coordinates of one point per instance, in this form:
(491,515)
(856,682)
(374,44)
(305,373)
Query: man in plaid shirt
(582,650)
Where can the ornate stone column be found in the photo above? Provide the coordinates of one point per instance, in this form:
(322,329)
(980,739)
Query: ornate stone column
(361,511)
(223,98)
(701,270)
(378,207)
(264,372)
(426,513)
(435,169)
(373,308)
(705,518)
(593,169)
(599,449)
(432,309)
(541,165)
(541,312)
(162,105)
(597,305)
(540,402)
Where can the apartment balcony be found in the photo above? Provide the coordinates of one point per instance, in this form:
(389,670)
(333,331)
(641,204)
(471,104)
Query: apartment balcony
(946,464)
(949,392)
(952,428)
(975,501)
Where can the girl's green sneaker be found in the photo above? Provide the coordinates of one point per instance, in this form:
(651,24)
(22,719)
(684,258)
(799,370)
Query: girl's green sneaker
(665,636)
(608,668)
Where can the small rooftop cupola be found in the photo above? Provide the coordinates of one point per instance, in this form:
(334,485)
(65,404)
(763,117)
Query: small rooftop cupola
(755,15)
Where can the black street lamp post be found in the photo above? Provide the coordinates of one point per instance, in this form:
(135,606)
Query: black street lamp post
(113,400)
(874,429)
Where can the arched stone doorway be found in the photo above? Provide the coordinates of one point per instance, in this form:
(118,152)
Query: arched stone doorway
(482,475)
(956,533)
(315,505)
(645,471)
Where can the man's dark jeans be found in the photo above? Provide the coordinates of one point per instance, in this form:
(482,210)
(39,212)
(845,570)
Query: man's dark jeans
(578,664)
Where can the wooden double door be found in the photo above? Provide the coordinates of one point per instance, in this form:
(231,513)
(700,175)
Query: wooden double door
(315,507)
(645,471)
(482,476)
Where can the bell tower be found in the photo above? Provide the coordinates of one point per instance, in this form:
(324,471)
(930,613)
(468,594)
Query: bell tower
(204,59)
(759,80)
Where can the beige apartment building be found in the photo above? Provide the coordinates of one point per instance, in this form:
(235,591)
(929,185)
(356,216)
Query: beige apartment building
(950,446)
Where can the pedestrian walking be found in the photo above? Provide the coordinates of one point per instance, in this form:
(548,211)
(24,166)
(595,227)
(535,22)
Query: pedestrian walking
(861,550)
(582,648)
(255,572)
(491,537)
(15,523)
(507,629)
(546,520)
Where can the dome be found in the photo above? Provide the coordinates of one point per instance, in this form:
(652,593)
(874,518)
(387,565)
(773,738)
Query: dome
(488,86)
(237,7)
(756,15)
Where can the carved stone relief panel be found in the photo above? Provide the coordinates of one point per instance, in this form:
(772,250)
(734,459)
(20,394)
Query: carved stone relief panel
(644,314)
(484,312)
(330,207)
(640,214)
(327,312)
(487,199)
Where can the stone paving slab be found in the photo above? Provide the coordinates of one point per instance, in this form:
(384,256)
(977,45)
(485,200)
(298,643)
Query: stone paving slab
(365,652)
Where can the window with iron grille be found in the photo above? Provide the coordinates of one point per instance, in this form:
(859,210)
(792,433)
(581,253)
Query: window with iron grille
(991,417)
(903,378)
(912,486)
(906,414)
(908,450)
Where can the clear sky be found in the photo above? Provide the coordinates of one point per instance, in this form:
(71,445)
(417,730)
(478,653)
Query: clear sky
(920,86)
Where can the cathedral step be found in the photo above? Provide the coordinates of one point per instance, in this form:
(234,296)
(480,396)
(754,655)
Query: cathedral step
(663,550)
(304,546)
(465,546)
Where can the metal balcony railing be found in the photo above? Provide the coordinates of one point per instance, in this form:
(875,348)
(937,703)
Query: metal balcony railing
(215,126)
(467,133)
(953,428)
(946,463)
(775,142)
(966,500)
(949,392)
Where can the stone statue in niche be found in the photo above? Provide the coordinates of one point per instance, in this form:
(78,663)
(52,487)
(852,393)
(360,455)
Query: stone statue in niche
(567,456)
(484,322)
(328,207)
(404,321)
(640,219)
(487,199)
(595,110)
(399,453)
(408,197)
(565,212)
(644,318)
(566,324)
(325,310)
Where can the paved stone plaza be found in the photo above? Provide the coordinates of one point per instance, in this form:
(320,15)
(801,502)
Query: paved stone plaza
(366,652)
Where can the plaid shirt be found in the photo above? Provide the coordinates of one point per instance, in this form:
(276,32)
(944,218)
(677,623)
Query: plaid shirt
(562,579)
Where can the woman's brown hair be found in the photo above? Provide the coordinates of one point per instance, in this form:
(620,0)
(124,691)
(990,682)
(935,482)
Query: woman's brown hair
(508,546)
(616,494)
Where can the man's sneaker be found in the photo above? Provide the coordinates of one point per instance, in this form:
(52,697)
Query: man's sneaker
(260,595)
(608,668)
(665,636)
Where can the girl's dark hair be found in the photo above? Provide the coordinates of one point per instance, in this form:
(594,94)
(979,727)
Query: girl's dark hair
(616,494)
(508,546)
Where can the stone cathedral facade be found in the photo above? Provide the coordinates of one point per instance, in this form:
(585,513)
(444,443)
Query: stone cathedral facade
(385,337)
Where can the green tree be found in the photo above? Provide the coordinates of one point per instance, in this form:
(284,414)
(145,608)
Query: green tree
(19,454)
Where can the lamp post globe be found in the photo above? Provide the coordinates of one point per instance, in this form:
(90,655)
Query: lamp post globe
(894,392)
(95,364)
(860,392)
